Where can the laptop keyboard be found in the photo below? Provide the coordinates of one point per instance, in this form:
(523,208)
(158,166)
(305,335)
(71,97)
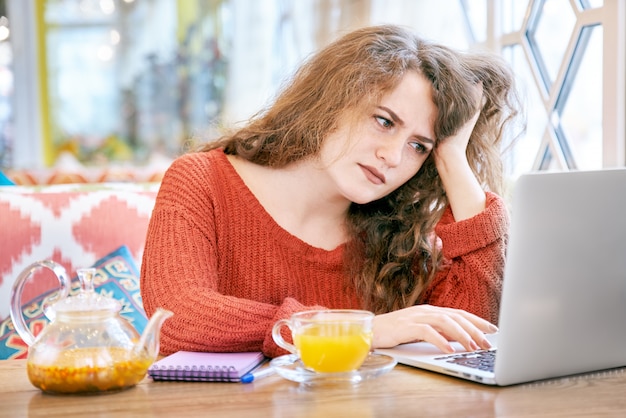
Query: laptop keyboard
(481,360)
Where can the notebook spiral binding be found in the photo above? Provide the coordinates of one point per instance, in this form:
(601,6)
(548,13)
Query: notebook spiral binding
(205,366)
(194,373)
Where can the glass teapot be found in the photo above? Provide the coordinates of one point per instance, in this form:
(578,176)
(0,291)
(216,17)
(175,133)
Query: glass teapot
(87,347)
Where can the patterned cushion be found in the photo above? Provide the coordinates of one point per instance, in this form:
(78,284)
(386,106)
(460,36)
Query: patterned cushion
(116,276)
(70,224)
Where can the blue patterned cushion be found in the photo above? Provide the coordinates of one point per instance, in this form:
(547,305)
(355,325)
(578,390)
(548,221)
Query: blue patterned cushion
(5,181)
(116,276)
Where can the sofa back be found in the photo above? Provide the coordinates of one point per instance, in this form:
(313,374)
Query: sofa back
(72,224)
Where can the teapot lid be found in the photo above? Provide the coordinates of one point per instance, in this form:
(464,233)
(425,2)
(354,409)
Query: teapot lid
(87,299)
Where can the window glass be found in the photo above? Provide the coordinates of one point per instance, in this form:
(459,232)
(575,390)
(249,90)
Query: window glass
(528,147)
(6,110)
(548,34)
(476,12)
(81,72)
(80,56)
(443,20)
(581,119)
(151,77)
(513,13)
(592,4)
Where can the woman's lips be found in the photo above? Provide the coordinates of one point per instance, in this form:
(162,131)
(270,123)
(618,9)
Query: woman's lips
(373,175)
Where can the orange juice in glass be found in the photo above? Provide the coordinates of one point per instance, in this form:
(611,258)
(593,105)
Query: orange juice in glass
(328,341)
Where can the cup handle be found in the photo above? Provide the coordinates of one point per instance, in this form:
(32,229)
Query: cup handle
(278,338)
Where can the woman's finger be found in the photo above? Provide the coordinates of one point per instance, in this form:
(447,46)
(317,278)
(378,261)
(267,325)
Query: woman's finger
(467,333)
(429,334)
(433,324)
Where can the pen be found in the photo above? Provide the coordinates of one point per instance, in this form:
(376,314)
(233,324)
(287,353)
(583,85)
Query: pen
(257,374)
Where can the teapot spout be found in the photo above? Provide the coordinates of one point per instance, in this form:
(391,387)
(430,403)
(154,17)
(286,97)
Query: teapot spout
(149,341)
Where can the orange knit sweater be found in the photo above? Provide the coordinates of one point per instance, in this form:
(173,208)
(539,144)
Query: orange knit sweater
(216,258)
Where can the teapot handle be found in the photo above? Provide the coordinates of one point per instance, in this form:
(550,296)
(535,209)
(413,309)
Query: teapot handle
(18,287)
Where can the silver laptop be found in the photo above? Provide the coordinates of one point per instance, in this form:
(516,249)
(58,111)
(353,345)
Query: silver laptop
(563,308)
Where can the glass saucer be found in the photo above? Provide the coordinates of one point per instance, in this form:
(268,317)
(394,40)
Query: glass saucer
(291,368)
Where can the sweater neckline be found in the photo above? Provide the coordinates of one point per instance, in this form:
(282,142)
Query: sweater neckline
(255,207)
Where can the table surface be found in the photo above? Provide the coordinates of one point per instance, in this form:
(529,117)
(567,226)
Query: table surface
(405,391)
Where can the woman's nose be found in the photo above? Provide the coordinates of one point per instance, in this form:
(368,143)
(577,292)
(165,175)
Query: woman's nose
(390,151)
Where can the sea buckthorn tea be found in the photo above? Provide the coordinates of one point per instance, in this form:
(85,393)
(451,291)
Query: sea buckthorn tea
(89,370)
(328,341)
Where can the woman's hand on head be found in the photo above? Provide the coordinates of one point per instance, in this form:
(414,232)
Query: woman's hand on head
(464,192)
(432,324)
(455,146)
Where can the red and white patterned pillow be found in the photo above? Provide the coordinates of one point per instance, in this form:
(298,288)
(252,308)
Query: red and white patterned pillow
(72,224)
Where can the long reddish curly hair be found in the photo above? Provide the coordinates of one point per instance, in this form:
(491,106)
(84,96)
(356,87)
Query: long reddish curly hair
(392,255)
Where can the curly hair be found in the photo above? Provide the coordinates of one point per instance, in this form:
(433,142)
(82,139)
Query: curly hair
(393,253)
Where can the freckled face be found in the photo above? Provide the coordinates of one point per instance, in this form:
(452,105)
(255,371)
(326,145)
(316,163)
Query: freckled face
(387,145)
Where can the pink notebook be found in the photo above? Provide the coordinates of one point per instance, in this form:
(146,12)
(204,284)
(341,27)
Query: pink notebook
(205,367)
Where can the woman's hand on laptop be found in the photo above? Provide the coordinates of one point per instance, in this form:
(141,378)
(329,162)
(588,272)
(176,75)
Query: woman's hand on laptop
(432,324)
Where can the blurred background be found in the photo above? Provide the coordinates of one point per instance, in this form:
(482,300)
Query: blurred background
(113,90)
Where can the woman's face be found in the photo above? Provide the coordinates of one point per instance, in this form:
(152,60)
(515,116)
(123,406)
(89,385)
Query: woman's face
(386,146)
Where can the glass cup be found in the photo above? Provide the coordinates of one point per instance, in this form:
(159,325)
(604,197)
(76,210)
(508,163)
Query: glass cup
(328,341)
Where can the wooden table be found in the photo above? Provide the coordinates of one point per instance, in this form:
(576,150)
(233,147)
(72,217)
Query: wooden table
(403,392)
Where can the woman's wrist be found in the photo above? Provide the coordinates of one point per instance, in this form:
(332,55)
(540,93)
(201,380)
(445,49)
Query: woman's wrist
(465,195)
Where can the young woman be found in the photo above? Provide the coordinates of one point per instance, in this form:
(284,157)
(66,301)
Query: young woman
(371,182)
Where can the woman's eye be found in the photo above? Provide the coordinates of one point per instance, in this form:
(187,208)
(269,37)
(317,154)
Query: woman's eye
(384,122)
(419,148)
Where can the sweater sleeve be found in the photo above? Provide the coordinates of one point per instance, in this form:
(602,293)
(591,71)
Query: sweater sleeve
(179,273)
(474,255)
